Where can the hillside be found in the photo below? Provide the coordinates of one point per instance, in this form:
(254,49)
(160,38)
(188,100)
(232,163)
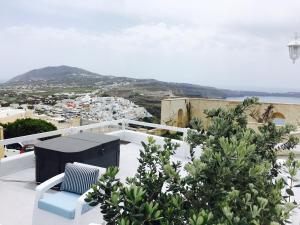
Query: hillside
(144,92)
(55,75)
(67,76)
(76,77)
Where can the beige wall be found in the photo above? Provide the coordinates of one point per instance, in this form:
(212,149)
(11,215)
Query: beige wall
(170,108)
(13,118)
(30,114)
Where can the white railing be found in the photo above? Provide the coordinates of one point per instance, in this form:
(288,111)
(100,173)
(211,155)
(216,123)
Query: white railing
(153,125)
(20,162)
(297,132)
(158,126)
(123,122)
(65,131)
(14,163)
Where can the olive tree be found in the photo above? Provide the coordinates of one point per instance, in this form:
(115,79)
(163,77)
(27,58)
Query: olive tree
(235,181)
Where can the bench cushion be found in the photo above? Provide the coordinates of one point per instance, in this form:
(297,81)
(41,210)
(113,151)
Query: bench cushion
(62,203)
(79,178)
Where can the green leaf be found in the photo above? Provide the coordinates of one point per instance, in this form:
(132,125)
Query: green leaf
(289,192)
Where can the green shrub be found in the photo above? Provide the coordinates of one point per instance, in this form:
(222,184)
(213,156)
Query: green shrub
(173,135)
(234,182)
(23,127)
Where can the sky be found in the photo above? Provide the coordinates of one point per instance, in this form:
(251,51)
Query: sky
(236,44)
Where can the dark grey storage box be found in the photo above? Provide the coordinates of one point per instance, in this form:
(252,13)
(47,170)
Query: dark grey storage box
(94,149)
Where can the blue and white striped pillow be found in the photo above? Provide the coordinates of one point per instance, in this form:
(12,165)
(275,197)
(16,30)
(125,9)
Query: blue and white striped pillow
(78,179)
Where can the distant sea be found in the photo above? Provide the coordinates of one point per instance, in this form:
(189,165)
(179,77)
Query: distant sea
(270,99)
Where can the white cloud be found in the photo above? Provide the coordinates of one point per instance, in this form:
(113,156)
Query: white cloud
(141,38)
(219,43)
(212,12)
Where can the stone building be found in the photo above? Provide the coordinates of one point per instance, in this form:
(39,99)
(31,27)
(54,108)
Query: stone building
(179,111)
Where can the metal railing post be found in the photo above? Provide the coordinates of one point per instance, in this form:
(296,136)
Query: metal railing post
(1,146)
(186,145)
(124,124)
(185,134)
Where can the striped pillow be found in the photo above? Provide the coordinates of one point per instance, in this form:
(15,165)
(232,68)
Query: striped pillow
(78,179)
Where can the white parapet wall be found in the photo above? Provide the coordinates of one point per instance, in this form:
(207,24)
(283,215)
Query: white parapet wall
(138,138)
(23,161)
(16,163)
(20,162)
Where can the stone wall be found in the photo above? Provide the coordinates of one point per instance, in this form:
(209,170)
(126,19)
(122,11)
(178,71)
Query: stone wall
(179,111)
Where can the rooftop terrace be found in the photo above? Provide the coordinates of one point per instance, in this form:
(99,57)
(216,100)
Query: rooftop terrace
(17,173)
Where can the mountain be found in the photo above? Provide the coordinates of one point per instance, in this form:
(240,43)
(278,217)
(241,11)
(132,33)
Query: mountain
(144,92)
(54,74)
(73,76)
(67,76)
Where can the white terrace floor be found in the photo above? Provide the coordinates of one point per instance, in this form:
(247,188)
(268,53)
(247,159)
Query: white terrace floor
(17,190)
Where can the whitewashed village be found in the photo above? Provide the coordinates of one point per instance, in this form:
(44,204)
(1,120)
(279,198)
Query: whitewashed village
(87,106)
(93,108)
